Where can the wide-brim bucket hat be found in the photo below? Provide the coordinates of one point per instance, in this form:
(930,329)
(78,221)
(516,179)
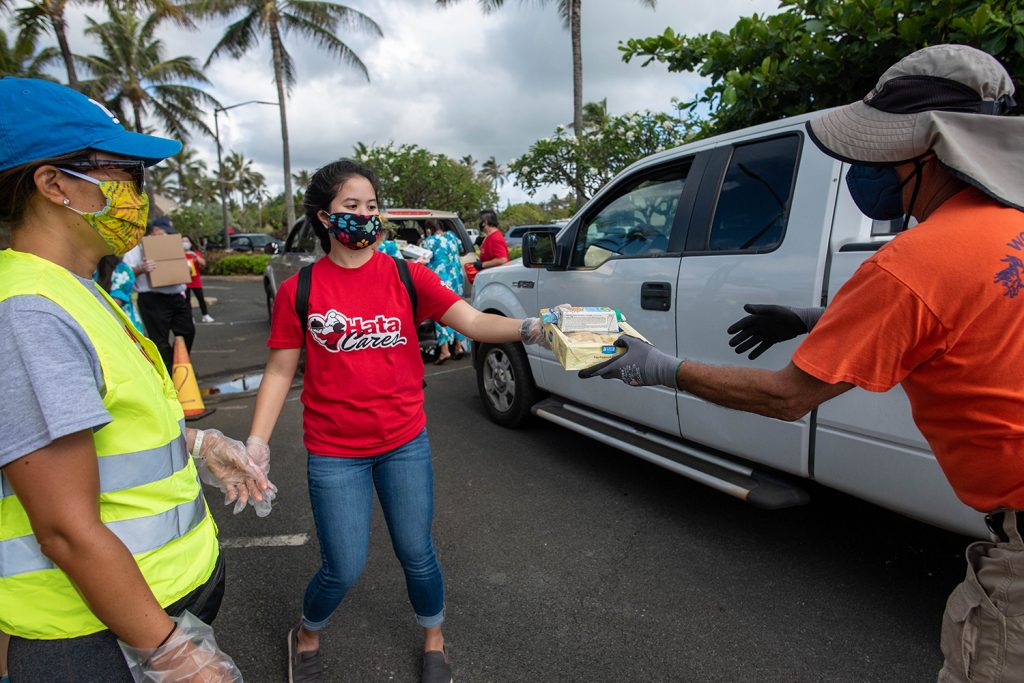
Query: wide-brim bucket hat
(40,120)
(945,99)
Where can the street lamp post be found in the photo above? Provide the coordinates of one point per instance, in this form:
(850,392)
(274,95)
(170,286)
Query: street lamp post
(220,165)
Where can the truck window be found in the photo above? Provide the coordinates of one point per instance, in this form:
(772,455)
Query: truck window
(753,204)
(637,221)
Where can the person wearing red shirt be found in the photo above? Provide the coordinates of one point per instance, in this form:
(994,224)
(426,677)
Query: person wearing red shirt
(493,251)
(362,397)
(195,262)
(929,141)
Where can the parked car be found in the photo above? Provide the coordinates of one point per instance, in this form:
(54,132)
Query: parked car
(514,235)
(302,248)
(256,241)
(678,242)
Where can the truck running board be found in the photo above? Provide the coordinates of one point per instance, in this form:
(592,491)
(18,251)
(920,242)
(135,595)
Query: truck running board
(735,478)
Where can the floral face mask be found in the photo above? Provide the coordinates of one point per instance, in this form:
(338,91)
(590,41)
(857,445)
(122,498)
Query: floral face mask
(122,222)
(353,230)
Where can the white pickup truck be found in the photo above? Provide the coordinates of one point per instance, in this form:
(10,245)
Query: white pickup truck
(678,242)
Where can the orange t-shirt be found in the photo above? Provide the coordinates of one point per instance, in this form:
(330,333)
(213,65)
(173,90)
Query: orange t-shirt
(940,310)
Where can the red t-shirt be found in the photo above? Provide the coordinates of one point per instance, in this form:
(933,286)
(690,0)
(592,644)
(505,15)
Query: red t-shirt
(940,310)
(363,386)
(493,247)
(193,264)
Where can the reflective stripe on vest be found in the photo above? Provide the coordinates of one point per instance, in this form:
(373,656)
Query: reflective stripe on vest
(140,535)
(129,470)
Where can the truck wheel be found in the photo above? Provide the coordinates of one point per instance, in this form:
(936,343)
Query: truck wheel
(506,384)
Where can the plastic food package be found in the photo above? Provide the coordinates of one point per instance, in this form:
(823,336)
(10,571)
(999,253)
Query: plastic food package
(583,348)
(586,318)
(411,251)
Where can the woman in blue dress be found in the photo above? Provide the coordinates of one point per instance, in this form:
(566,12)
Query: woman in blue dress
(118,279)
(444,261)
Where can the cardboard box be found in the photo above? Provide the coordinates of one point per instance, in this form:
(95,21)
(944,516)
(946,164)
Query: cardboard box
(171,264)
(579,350)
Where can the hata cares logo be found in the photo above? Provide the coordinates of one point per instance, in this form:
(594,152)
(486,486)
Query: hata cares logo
(335,332)
(106,111)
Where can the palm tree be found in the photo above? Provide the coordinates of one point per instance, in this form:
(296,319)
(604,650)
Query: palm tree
(21,59)
(132,73)
(317,20)
(189,171)
(569,10)
(302,179)
(41,16)
(494,172)
(469,162)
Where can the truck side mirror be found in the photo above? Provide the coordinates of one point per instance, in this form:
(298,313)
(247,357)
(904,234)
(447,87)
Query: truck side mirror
(539,250)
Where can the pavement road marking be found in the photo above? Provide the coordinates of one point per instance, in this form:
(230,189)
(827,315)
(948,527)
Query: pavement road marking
(445,372)
(279,541)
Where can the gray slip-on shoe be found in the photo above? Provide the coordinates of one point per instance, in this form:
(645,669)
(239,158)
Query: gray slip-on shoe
(303,667)
(436,667)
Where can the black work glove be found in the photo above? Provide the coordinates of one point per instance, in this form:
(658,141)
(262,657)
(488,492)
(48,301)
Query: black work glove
(766,326)
(478,265)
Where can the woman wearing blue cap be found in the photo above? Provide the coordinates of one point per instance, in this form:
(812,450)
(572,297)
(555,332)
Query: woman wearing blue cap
(104,531)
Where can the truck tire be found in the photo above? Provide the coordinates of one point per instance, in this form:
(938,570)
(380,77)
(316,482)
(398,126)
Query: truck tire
(506,384)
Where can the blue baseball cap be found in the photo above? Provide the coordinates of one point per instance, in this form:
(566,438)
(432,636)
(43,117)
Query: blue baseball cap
(40,120)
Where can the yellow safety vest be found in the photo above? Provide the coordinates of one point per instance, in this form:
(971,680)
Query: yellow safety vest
(150,495)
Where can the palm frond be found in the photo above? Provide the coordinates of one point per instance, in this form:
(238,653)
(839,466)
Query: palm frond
(239,37)
(334,17)
(326,40)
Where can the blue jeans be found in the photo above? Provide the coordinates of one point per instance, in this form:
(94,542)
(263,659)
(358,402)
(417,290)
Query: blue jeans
(341,492)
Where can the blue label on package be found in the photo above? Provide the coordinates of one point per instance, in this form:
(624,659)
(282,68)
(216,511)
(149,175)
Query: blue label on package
(608,349)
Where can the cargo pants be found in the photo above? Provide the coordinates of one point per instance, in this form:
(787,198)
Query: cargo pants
(983,626)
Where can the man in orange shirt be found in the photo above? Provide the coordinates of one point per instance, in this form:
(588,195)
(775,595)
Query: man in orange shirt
(928,141)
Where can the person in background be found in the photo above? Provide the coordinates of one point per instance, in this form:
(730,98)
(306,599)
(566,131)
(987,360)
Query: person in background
(362,395)
(493,250)
(937,310)
(387,244)
(108,551)
(165,312)
(195,262)
(117,279)
(444,261)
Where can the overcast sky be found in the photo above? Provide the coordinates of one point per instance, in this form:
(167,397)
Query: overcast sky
(455,81)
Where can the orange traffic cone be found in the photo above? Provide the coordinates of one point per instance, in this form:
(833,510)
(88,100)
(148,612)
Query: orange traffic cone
(184,378)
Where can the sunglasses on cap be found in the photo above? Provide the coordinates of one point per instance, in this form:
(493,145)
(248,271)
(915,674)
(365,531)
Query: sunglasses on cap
(135,169)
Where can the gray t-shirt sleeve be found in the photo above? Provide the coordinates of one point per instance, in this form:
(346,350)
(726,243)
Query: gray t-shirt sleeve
(52,384)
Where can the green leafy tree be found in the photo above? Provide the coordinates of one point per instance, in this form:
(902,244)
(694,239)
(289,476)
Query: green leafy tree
(565,158)
(317,21)
(411,176)
(533,213)
(21,58)
(302,180)
(570,12)
(822,53)
(190,177)
(132,76)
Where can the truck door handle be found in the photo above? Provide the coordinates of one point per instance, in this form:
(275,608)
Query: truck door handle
(656,296)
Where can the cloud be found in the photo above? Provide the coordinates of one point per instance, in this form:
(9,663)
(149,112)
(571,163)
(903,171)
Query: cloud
(456,81)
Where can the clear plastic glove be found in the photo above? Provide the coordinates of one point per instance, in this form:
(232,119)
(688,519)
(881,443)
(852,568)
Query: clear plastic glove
(641,365)
(224,463)
(189,655)
(259,453)
(532,330)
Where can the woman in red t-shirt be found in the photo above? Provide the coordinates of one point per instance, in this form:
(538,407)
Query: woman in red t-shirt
(195,262)
(363,419)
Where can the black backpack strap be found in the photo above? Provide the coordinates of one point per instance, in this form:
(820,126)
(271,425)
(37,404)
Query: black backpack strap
(302,296)
(406,277)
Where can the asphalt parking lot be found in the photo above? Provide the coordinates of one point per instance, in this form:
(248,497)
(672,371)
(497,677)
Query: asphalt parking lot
(566,560)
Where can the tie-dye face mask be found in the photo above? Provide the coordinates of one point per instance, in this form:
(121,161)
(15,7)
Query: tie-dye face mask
(122,221)
(354,230)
